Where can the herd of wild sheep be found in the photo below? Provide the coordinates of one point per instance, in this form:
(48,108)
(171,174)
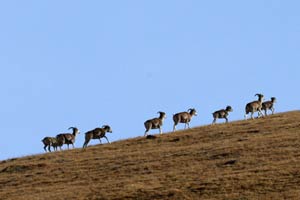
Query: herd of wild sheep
(156,123)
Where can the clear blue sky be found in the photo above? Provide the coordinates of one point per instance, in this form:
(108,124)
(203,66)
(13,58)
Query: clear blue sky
(89,63)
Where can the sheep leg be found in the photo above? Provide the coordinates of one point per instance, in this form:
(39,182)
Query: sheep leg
(100,141)
(226,119)
(146,132)
(49,148)
(188,125)
(160,131)
(45,147)
(85,143)
(260,113)
(174,127)
(214,121)
(106,139)
(272,109)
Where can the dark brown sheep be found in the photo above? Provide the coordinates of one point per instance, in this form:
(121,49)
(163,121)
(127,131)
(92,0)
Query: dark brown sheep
(69,138)
(97,133)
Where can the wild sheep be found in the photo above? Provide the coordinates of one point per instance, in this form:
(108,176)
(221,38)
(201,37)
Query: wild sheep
(254,106)
(69,138)
(155,123)
(269,105)
(184,117)
(221,114)
(97,133)
(52,141)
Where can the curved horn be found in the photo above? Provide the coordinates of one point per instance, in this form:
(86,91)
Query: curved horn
(71,128)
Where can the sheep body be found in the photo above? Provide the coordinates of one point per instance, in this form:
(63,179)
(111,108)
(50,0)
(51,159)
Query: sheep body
(223,113)
(155,123)
(97,133)
(184,117)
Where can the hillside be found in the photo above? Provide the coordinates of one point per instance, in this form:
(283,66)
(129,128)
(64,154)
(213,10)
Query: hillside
(253,159)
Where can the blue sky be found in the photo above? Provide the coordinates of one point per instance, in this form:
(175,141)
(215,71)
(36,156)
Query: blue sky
(89,63)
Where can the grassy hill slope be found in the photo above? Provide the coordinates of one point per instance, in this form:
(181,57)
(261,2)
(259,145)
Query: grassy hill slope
(253,159)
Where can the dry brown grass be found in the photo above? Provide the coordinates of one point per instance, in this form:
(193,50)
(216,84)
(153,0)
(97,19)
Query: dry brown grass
(253,159)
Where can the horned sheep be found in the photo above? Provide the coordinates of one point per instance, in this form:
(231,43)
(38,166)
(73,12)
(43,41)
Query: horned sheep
(155,123)
(97,133)
(254,106)
(184,117)
(69,138)
(223,113)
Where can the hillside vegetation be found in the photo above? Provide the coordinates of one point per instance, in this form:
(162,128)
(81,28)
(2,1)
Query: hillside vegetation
(253,159)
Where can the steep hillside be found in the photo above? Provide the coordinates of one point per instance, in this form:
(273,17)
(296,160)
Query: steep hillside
(253,159)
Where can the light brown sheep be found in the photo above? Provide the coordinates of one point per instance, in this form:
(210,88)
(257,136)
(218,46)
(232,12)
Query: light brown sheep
(155,123)
(184,117)
(254,106)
